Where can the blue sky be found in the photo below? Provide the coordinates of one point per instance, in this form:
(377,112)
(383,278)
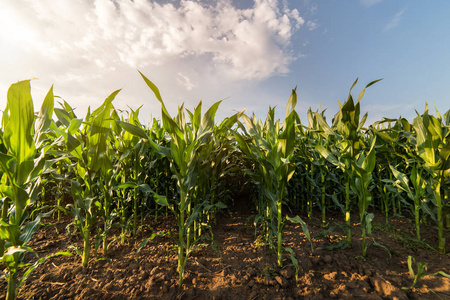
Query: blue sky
(251,52)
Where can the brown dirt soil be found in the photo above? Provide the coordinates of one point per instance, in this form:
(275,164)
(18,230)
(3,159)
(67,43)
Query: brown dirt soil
(239,267)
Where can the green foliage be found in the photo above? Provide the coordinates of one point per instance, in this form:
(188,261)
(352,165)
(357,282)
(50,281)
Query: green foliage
(421,271)
(270,147)
(188,148)
(107,169)
(22,164)
(433,147)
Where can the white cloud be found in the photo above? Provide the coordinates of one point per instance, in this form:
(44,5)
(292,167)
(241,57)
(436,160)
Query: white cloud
(394,21)
(312,25)
(84,46)
(369,3)
(140,33)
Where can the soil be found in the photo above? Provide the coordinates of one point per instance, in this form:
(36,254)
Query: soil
(239,266)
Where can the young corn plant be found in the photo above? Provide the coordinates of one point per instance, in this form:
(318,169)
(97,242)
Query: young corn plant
(185,141)
(21,165)
(300,184)
(433,147)
(157,168)
(131,150)
(107,184)
(135,154)
(272,149)
(363,167)
(346,135)
(415,192)
(88,148)
(318,162)
(311,163)
(214,156)
(388,154)
(421,272)
(259,170)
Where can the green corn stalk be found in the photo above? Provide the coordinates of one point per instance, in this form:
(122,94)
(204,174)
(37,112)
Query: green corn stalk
(316,138)
(135,149)
(312,186)
(215,165)
(89,149)
(128,166)
(363,168)
(272,149)
(415,193)
(347,137)
(433,147)
(324,217)
(135,187)
(186,140)
(388,154)
(421,272)
(22,166)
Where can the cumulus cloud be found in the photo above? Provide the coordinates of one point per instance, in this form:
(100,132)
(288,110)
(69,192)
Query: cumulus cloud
(140,33)
(84,43)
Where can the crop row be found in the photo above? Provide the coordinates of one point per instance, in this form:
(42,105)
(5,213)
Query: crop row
(110,169)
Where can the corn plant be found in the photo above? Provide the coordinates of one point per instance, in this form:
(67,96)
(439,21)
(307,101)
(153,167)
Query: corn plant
(388,154)
(311,163)
(21,165)
(363,167)
(272,150)
(259,170)
(106,186)
(421,272)
(134,154)
(117,168)
(157,168)
(131,152)
(300,185)
(318,162)
(416,192)
(346,134)
(185,141)
(212,191)
(88,148)
(433,147)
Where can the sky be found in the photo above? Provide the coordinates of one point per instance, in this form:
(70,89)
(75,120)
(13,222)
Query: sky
(249,53)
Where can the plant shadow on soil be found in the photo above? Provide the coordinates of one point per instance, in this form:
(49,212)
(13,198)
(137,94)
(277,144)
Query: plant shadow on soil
(238,266)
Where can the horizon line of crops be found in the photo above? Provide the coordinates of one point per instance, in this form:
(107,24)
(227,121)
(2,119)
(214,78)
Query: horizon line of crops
(109,167)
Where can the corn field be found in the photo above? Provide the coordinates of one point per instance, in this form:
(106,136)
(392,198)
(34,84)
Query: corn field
(108,170)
